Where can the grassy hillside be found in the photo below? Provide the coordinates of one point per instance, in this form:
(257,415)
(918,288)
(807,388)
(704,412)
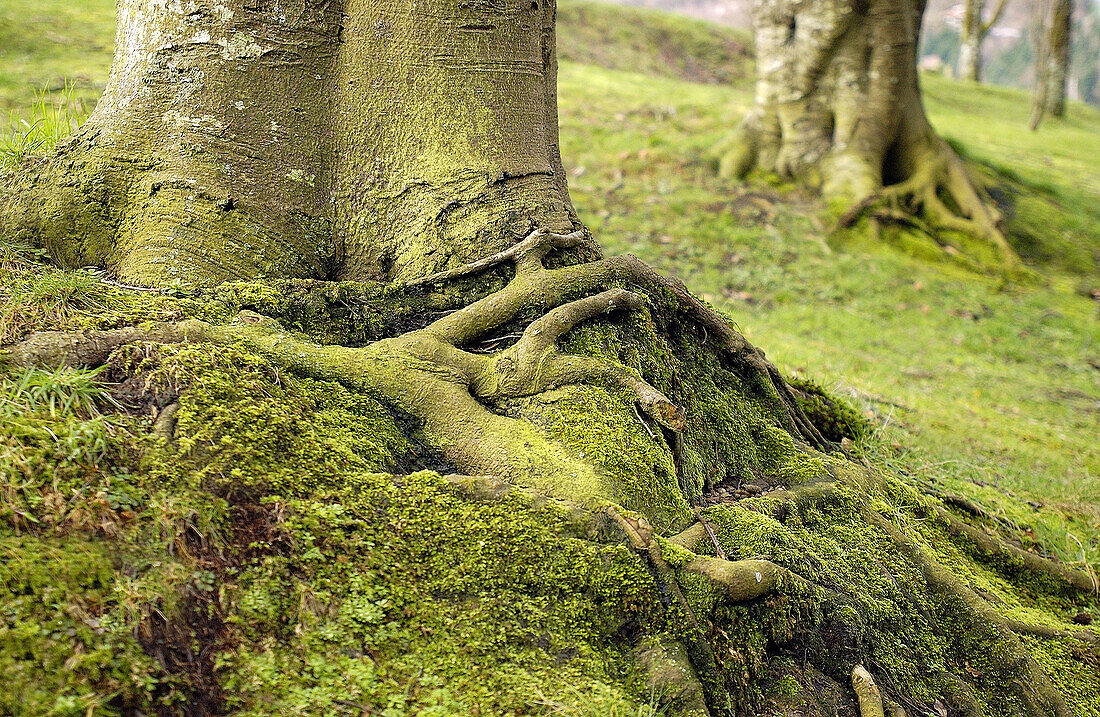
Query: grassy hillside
(991,388)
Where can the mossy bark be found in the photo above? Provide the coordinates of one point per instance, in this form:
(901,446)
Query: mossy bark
(350,140)
(838,104)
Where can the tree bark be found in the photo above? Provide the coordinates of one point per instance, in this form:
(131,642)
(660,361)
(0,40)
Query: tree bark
(972,33)
(348,139)
(1052,28)
(838,104)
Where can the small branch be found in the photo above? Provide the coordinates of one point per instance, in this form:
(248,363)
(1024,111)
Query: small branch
(987,26)
(710,532)
(634,407)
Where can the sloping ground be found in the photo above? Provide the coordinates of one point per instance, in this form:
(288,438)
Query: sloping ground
(652,43)
(268,544)
(992,388)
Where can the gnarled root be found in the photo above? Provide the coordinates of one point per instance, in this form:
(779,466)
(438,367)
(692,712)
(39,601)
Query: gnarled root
(941,195)
(447,375)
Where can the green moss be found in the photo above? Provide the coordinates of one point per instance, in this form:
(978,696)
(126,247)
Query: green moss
(832,416)
(487,606)
(603,428)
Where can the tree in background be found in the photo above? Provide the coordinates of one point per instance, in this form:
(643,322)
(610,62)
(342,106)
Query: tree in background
(1053,36)
(368,199)
(972,33)
(838,104)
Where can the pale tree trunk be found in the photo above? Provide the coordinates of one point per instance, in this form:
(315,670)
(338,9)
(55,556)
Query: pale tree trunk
(1061,32)
(838,104)
(972,33)
(1053,29)
(343,139)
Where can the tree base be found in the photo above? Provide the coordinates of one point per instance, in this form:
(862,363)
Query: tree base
(833,567)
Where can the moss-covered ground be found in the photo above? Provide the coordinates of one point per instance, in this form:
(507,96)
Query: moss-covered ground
(281,548)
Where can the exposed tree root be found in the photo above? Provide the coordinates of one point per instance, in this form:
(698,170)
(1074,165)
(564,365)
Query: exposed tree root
(941,195)
(838,105)
(429,375)
(1032,686)
(867,693)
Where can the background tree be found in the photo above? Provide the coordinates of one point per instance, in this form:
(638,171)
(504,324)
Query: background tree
(972,33)
(1053,31)
(838,104)
(256,153)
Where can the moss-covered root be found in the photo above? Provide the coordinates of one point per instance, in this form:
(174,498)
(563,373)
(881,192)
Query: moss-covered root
(736,580)
(869,696)
(973,615)
(670,675)
(941,195)
(537,286)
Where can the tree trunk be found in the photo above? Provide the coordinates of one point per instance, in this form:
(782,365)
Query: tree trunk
(323,140)
(1053,29)
(838,104)
(972,34)
(970,41)
(1061,31)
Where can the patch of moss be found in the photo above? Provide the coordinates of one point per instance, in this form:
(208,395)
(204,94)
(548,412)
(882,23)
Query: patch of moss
(835,418)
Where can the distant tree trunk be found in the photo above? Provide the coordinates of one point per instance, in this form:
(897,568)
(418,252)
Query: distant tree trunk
(973,32)
(838,103)
(319,140)
(1053,33)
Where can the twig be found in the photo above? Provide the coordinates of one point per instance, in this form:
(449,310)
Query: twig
(710,532)
(645,425)
(366,709)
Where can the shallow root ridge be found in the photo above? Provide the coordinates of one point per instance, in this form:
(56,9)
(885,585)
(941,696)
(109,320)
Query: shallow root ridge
(448,377)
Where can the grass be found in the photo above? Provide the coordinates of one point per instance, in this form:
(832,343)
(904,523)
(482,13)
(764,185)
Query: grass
(984,388)
(50,44)
(978,387)
(52,117)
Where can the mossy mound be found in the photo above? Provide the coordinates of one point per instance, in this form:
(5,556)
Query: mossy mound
(212,531)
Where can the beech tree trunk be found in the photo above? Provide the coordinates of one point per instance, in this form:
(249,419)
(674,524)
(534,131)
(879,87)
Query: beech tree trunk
(348,139)
(972,33)
(1053,32)
(838,104)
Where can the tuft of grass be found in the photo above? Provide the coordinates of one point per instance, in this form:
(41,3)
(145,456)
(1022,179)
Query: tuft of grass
(63,391)
(52,118)
(45,297)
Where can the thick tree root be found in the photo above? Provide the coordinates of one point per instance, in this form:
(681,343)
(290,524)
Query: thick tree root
(942,195)
(427,374)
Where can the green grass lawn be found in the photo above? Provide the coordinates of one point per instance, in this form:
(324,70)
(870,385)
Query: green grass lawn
(46,43)
(980,387)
